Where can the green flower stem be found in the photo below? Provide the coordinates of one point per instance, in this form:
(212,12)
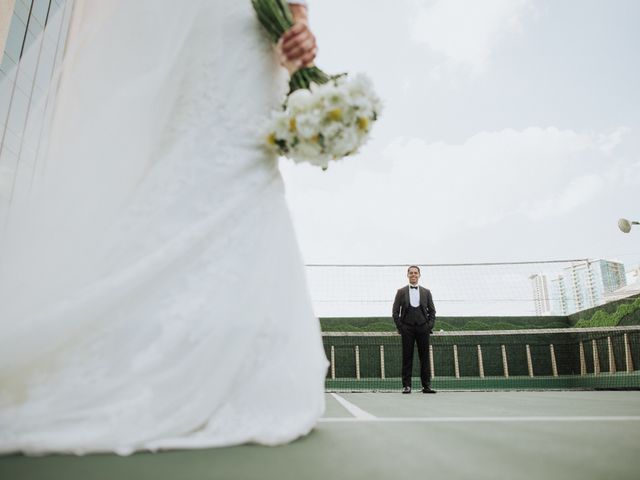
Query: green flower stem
(274,15)
(283,13)
(285,10)
(304,77)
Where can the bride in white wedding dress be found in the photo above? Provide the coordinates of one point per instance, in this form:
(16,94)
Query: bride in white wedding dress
(152,294)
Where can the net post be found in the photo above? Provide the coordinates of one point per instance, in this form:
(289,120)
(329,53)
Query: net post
(628,359)
(554,365)
(583,362)
(333,362)
(505,363)
(612,358)
(456,364)
(431,367)
(381,361)
(480,363)
(596,357)
(357,362)
(529,362)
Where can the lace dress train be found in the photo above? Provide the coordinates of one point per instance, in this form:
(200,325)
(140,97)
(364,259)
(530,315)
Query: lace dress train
(161,300)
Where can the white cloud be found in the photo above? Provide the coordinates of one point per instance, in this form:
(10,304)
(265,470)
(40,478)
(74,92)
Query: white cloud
(578,192)
(608,142)
(493,175)
(466,32)
(439,191)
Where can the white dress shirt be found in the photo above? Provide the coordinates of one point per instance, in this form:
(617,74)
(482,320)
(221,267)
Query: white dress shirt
(414,295)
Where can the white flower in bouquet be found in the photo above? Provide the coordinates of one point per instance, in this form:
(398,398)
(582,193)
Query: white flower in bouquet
(280,124)
(307,125)
(300,100)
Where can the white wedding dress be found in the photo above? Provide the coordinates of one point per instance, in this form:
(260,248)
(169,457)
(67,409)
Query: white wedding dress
(152,294)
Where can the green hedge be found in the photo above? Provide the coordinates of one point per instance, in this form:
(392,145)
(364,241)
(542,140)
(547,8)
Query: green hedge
(610,307)
(447,324)
(624,314)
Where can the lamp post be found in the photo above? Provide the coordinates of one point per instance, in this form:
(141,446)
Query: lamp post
(625,225)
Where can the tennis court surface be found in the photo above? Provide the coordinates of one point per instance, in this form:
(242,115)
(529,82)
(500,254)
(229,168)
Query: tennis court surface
(479,435)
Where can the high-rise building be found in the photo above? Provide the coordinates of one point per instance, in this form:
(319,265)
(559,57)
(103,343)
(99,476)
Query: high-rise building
(632,287)
(613,275)
(585,284)
(561,302)
(541,297)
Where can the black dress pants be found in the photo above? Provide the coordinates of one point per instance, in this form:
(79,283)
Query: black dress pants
(412,335)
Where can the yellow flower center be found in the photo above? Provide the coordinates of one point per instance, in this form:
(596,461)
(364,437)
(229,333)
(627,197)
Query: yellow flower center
(363,123)
(335,114)
(292,125)
(271,139)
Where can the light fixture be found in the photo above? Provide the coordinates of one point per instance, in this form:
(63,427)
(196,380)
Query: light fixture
(625,225)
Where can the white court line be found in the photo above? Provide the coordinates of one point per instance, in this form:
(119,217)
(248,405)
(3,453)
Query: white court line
(372,418)
(354,410)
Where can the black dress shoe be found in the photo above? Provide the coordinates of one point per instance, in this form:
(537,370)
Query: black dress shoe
(428,390)
(406,389)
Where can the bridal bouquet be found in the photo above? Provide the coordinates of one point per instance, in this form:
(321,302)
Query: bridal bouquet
(324,117)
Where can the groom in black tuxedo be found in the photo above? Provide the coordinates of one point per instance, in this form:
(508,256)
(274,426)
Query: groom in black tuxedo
(414,315)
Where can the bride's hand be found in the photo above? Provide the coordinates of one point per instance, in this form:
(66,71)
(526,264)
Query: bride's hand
(297,46)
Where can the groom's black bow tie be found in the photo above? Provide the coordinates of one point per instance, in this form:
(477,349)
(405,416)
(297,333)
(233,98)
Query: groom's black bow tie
(410,286)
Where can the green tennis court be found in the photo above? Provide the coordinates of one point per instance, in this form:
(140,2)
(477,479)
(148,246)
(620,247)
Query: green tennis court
(492,435)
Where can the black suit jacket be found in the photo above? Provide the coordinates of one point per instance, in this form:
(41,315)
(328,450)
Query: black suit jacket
(401,303)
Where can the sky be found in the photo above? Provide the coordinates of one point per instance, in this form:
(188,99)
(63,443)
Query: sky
(509,133)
